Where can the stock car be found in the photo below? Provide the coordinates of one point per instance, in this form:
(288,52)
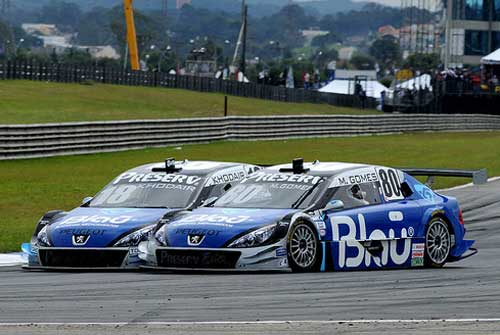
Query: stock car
(314,217)
(105,230)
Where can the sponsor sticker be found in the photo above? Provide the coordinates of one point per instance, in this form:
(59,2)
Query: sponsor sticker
(283,263)
(424,192)
(281,252)
(417,254)
(96,219)
(352,254)
(227,176)
(283,177)
(214,218)
(361,176)
(134,177)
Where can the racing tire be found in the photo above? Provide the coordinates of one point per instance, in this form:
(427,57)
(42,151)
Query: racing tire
(437,243)
(304,248)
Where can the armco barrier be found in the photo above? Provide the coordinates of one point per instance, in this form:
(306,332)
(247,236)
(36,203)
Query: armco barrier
(45,140)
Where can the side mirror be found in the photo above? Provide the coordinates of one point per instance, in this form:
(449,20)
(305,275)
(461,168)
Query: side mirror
(334,205)
(86,200)
(210,201)
(406,190)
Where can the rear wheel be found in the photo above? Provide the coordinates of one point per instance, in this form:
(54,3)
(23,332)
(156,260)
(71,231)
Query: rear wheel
(304,249)
(437,243)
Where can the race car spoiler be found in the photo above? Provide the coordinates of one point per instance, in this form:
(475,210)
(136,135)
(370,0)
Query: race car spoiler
(478,176)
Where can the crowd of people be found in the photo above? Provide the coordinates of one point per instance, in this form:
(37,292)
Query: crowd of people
(460,81)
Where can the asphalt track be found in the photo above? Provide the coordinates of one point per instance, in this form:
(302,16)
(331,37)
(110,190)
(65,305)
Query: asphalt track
(466,294)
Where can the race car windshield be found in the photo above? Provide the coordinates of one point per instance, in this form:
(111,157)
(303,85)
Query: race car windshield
(152,190)
(278,191)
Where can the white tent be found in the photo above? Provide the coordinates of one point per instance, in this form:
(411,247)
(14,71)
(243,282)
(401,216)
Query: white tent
(372,88)
(419,82)
(492,59)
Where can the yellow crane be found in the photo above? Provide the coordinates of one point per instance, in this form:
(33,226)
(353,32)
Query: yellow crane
(131,35)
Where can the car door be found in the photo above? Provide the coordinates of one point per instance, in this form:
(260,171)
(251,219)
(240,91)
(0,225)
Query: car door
(371,234)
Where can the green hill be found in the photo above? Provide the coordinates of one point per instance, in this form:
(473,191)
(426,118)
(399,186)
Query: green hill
(41,102)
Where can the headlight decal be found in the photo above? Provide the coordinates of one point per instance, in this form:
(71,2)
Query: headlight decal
(254,238)
(42,238)
(161,235)
(133,239)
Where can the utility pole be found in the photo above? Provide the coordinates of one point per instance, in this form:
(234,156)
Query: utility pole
(164,8)
(241,44)
(244,45)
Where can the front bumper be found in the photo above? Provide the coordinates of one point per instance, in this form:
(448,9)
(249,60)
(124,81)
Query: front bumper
(83,258)
(266,258)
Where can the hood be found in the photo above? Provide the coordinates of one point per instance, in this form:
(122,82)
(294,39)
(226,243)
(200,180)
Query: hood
(218,226)
(103,226)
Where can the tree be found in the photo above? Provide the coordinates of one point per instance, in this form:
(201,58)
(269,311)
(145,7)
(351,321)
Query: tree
(323,58)
(386,51)
(148,31)
(94,28)
(66,15)
(326,40)
(76,57)
(423,62)
(6,40)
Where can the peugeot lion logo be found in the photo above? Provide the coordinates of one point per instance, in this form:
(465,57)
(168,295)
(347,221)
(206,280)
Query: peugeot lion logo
(79,240)
(195,240)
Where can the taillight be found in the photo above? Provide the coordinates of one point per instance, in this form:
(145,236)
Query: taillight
(461,217)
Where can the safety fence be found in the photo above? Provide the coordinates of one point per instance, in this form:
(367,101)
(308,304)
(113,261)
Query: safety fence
(88,74)
(44,140)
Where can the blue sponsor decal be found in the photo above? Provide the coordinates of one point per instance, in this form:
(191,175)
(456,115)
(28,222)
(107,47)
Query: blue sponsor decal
(281,252)
(226,222)
(100,226)
(424,192)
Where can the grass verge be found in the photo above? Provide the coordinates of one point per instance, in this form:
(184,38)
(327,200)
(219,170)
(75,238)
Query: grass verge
(41,102)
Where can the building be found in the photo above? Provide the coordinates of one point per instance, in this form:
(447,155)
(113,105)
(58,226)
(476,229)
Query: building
(310,34)
(346,53)
(56,41)
(472,31)
(388,31)
(181,3)
(422,26)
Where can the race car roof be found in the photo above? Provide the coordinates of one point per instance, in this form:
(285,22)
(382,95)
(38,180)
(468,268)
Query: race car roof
(323,169)
(199,168)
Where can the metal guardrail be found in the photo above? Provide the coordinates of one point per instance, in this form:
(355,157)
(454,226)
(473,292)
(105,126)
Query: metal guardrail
(478,177)
(44,140)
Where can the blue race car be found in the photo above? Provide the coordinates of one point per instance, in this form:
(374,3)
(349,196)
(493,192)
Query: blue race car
(105,231)
(314,217)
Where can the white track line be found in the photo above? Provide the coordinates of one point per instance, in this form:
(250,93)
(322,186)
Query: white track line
(224,323)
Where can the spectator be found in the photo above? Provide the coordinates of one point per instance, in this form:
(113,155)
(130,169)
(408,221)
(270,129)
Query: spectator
(307,80)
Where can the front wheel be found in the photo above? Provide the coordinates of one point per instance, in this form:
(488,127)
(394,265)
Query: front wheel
(437,243)
(304,249)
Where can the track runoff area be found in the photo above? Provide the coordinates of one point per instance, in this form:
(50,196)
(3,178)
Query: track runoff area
(461,298)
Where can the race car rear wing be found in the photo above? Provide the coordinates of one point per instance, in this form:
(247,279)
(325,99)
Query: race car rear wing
(478,176)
